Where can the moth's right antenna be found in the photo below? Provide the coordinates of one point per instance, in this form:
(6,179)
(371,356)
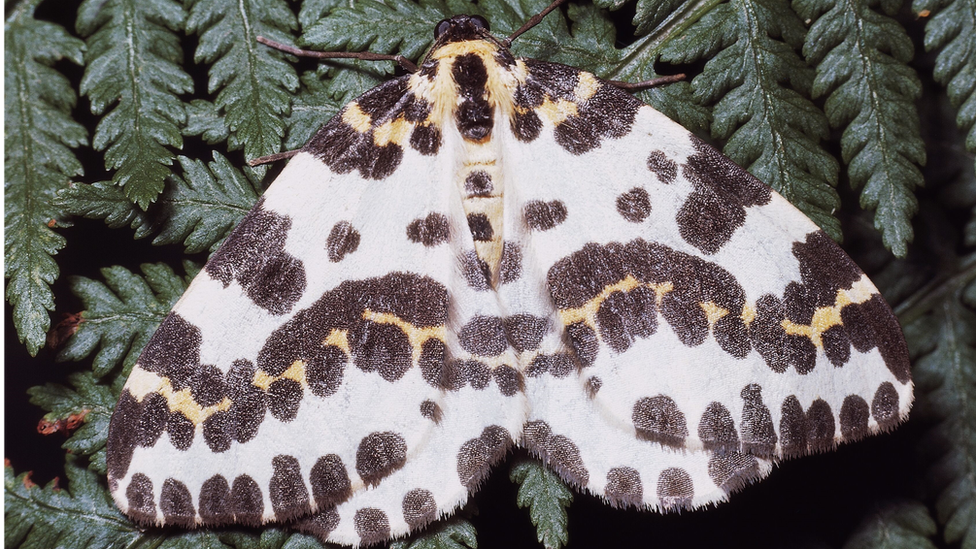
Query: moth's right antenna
(533,21)
(367,55)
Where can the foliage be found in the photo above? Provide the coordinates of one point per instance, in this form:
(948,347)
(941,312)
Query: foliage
(826,100)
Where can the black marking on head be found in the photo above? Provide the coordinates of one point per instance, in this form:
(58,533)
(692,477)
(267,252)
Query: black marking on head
(663,167)
(343,239)
(480,227)
(478,183)
(473,114)
(634,205)
(716,208)
(430,231)
(658,419)
(254,256)
(542,216)
(378,455)
(460,28)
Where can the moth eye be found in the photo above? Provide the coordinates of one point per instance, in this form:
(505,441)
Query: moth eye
(480,22)
(441,28)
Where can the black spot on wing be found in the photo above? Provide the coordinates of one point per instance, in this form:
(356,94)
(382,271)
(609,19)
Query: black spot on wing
(716,208)
(254,256)
(344,149)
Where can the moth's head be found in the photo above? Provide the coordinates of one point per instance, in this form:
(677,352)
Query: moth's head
(461,28)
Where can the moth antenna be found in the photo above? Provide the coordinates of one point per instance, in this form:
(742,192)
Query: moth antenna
(407,64)
(652,83)
(272,158)
(533,21)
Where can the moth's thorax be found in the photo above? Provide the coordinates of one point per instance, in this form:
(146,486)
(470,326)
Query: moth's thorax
(470,86)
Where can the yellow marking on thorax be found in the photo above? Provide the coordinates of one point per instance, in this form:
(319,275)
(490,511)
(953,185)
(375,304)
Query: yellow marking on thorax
(355,117)
(441,91)
(417,336)
(825,318)
(142,383)
(295,372)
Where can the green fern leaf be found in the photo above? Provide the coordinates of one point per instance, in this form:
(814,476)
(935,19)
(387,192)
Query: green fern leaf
(861,59)
(122,312)
(203,118)
(38,137)
(952,31)
(253,82)
(87,398)
(760,86)
(133,72)
(198,209)
(382,27)
(945,377)
(452,534)
(901,525)
(547,499)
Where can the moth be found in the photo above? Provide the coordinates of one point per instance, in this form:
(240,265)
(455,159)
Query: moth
(493,252)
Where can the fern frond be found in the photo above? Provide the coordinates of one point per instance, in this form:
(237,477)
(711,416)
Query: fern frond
(133,72)
(253,82)
(862,67)
(759,87)
(38,138)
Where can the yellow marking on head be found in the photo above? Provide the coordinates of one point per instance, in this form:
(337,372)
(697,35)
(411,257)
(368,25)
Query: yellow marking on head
(416,336)
(748,314)
(295,372)
(586,87)
(713,312)
(392,131)
(355,117)
(825,318)
(339,338)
